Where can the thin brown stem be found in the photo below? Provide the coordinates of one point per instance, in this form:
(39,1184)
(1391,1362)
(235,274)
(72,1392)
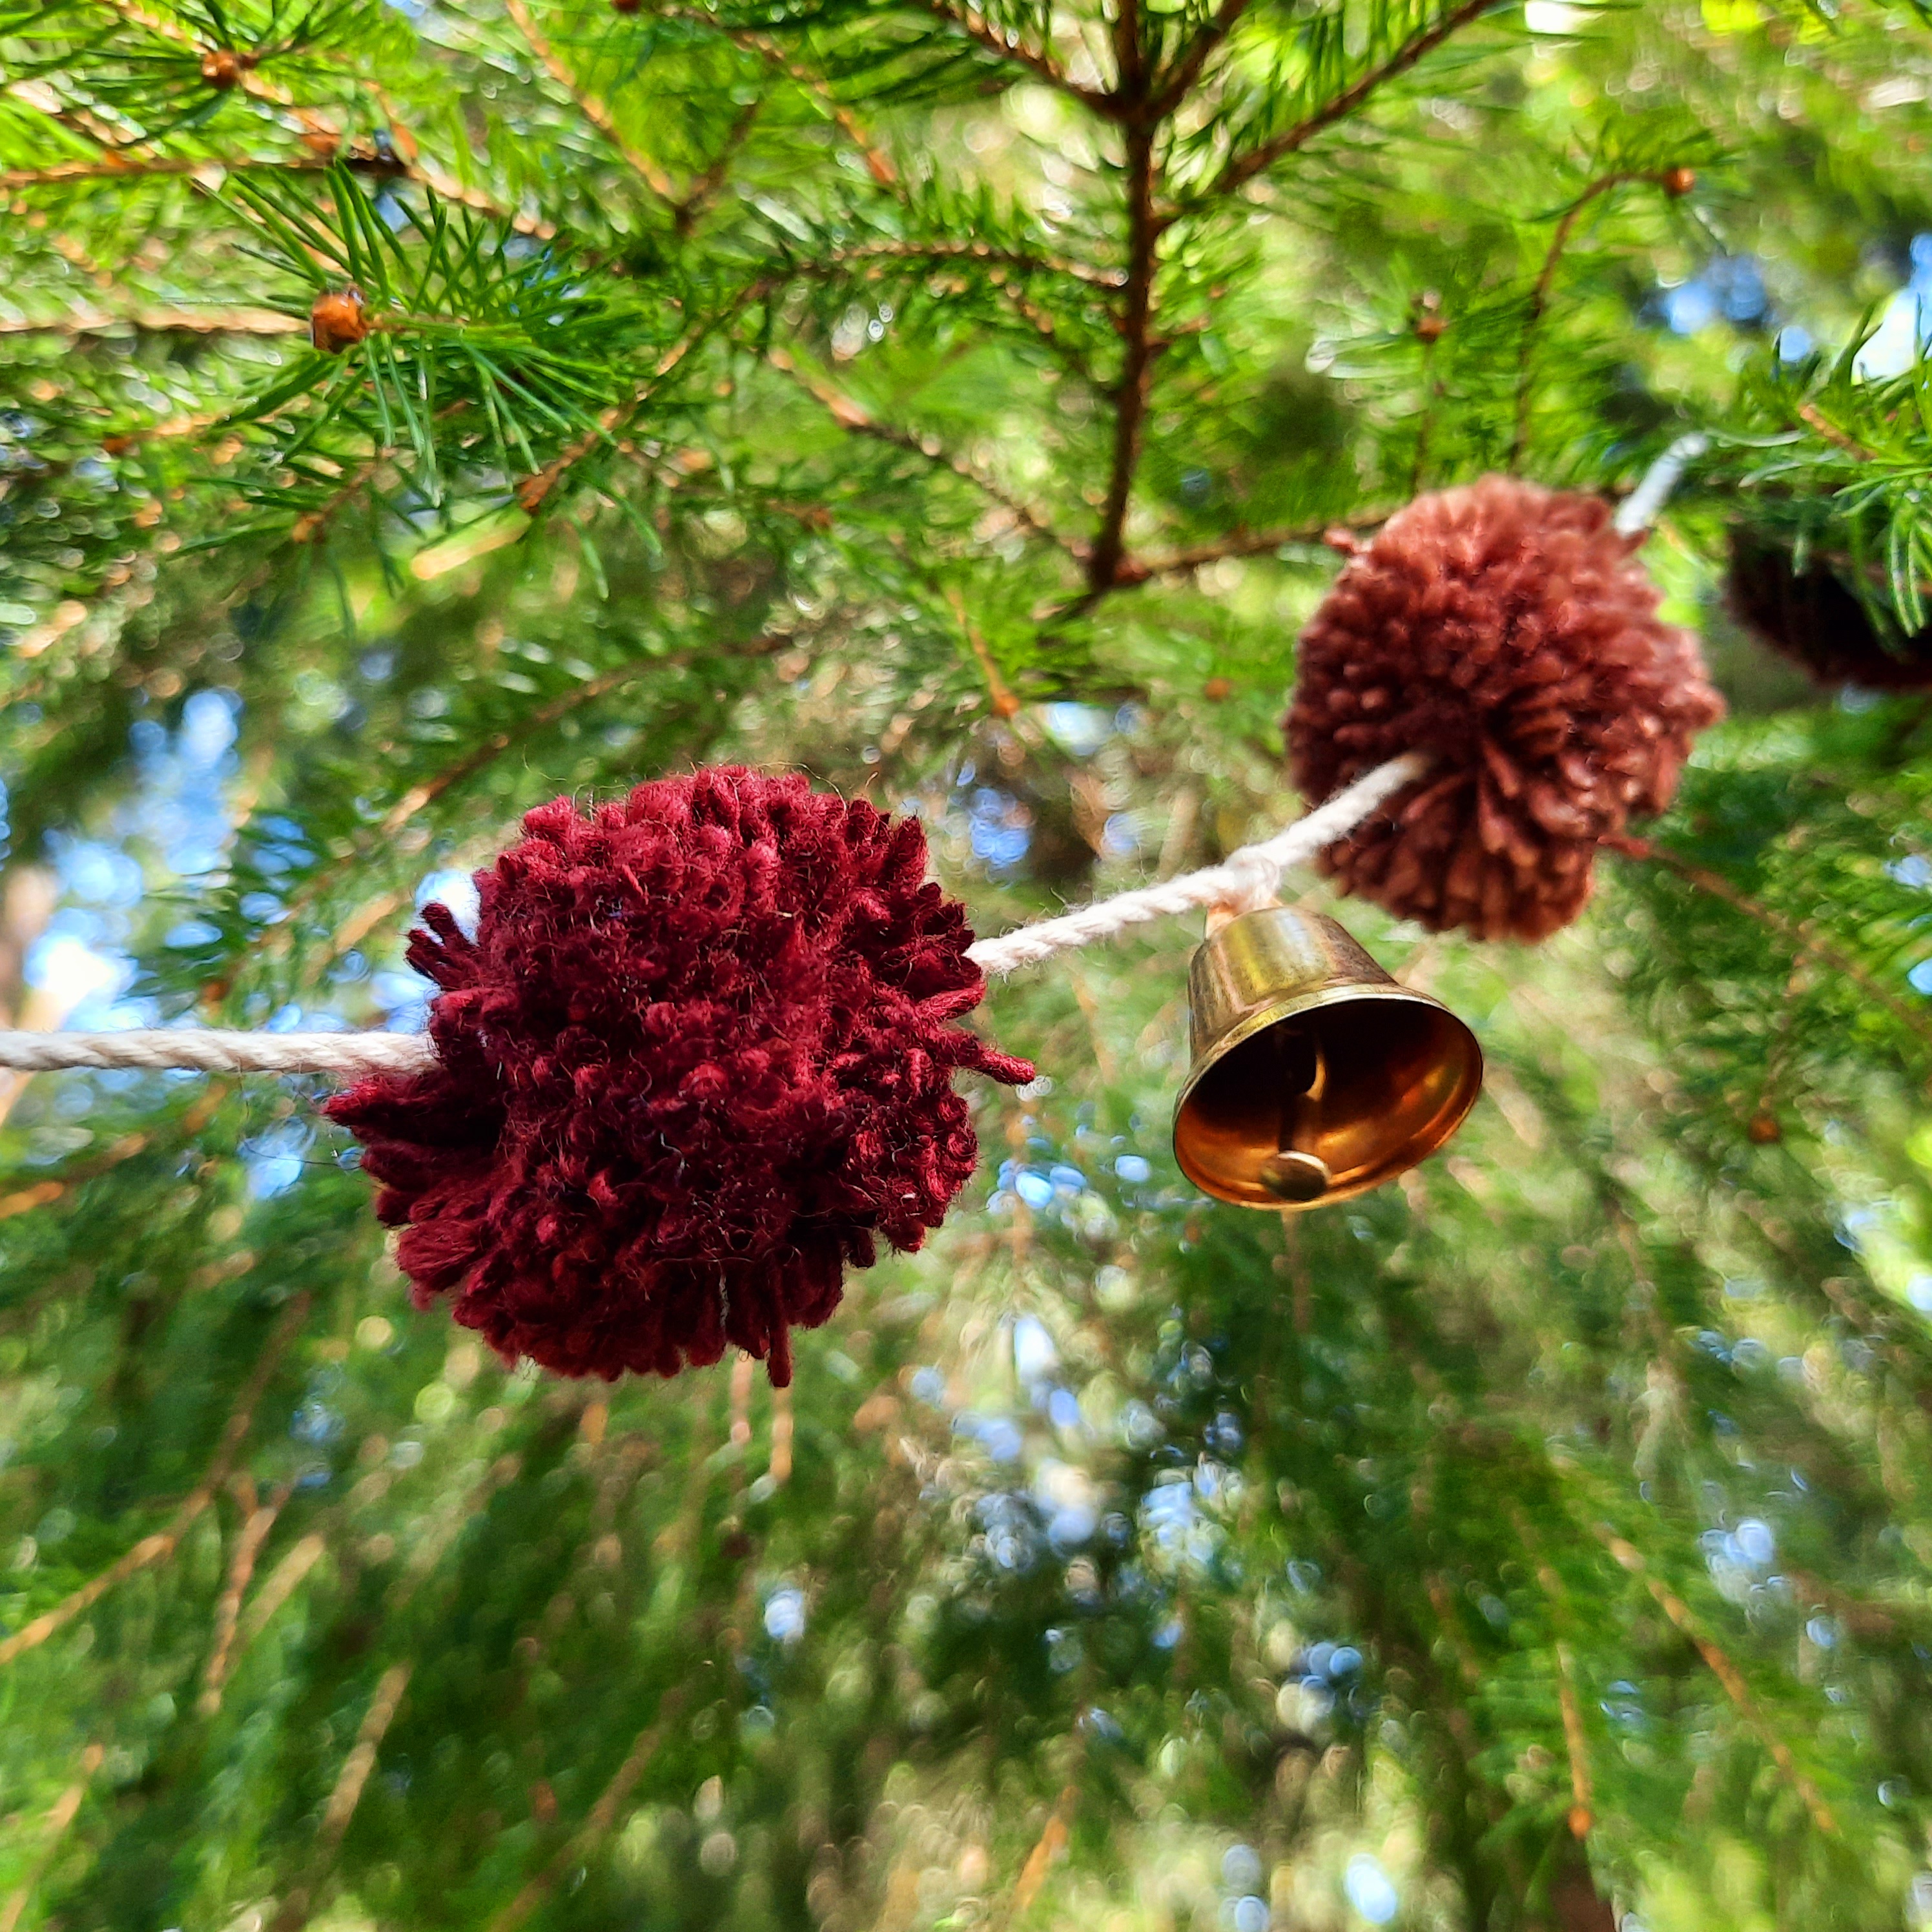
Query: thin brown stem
(1797,933)
(162,321)
(1108,551)
(1037,62)
(1108,280)
(1728,1675)
(1243,168)
(691,205)
(61,1815)
(256,1523)
(853,417)
(155,1549)
(593,108)
(596,1827)
(1138,570)
(1539,302)
(349,1783)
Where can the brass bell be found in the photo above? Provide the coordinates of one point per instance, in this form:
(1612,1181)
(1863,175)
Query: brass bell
(1315,1076)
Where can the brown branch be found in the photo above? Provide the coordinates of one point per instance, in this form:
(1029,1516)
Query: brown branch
(878,163)
(1135,570)
(1108,549)
(853,417)
(1539,301)
(61,1814)
(1243,168)
(256,1523)
(691,206)
(1106,279)
(999,694)
(1799,933)
(419,797)
(155,1548)
(1728,1675)
(594,109)
(349,1781)
(596,1827)
(160,321)
(1037,62)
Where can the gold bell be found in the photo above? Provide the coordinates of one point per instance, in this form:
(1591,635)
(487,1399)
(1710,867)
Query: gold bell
(1315,1076)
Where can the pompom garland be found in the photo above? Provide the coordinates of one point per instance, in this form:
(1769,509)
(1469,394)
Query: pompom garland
(1508,630)
(1813,616)
(696,1060)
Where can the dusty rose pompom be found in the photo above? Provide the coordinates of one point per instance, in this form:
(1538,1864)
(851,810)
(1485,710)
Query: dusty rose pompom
(1509,630)
(698,1059)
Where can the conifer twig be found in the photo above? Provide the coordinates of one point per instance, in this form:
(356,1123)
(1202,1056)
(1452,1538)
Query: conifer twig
(1242,169)
(1108,550)
(1041,64)
(592,107)
(61,1815)
(1539,299)
(854,417)
(1726,1673)
(1800,934)
(603,1815)
(155,1548)
(259,1518)
(346,1793)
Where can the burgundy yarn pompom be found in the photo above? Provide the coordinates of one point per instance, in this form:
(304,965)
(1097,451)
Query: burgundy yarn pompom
(1509,631)
(1813,616)
(698,1058)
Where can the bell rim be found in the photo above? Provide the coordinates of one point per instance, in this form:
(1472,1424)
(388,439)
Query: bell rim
(1264,1017)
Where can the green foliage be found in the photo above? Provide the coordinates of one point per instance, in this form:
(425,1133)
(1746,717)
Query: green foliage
(951,404)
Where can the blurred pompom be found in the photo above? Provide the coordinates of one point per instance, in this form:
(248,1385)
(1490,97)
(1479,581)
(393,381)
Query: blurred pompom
(1811,615)
(1508,630)
(696,1060)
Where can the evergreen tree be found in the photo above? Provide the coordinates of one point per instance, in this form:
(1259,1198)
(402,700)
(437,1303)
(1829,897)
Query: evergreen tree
(410,412)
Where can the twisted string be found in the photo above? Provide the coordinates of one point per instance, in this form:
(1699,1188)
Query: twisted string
(1248,878)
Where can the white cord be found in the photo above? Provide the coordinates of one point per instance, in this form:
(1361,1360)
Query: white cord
(211,1050)
(1248,878)
(1645,504)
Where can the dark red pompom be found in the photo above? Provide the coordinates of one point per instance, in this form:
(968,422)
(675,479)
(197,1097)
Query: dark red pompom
(698,1059)
(1509,631)
(1814,616)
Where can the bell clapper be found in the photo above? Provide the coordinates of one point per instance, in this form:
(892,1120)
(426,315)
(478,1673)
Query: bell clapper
(1292,1173)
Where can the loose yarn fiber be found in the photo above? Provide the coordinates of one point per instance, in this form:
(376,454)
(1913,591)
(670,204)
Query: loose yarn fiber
(1507,631)
(696,1060)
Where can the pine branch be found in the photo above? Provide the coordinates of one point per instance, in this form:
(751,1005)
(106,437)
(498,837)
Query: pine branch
(161,322)
(1242,169)
(1728,1675)
(1539,299)
(1802,934)
(61,1816)
(1139,351)
(257,1521)
(1173,88)
(592,106)
(1037,61)
(346,1794)
(163,1544)
(853,417)
(1105,279)
(583,1843)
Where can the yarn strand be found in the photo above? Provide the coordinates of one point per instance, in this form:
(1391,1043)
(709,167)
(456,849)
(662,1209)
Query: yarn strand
(1248,878)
